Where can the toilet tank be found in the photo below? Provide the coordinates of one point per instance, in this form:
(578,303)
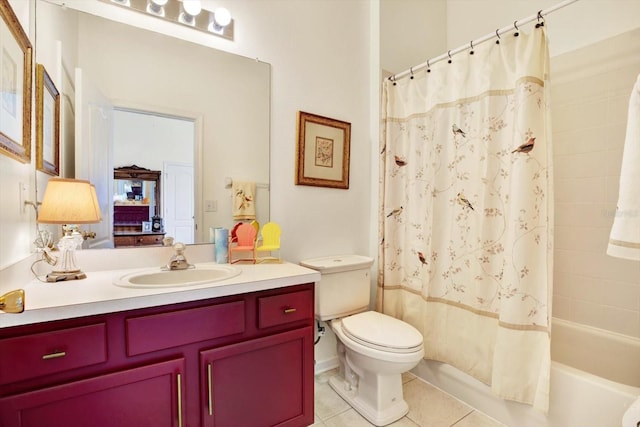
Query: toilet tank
(344,286)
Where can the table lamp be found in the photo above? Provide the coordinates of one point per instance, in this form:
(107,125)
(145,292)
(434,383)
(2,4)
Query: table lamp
(69,202)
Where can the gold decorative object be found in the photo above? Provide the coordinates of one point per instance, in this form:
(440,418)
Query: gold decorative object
(12,302)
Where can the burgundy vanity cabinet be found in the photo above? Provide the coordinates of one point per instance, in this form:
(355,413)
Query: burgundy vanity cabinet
(150,395)
(244,360)
(266,381)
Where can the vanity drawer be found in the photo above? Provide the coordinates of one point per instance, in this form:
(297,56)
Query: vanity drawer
(46,353)
(124,241)
(149,239)
(165,330)
(285,308)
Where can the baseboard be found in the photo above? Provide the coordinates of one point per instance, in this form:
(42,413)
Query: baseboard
(325,365)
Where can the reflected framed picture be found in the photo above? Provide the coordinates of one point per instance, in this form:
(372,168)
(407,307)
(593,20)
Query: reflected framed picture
(47,123)
(146,226)
(323,147)
(15,86)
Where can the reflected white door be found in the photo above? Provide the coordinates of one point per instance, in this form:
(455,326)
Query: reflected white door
(177,201)
(94,153)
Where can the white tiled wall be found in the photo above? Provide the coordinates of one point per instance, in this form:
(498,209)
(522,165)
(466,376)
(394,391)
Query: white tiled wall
(590,92)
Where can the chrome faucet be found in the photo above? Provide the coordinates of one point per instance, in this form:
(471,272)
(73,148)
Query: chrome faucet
(178,261)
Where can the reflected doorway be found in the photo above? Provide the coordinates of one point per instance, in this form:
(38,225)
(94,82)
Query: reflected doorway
(159,141)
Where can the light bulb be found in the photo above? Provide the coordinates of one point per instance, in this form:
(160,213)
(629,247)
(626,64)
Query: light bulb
(192,7)
(156,7)
(222,16)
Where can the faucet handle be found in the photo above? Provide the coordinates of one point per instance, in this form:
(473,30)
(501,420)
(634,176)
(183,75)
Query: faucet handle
(179,247)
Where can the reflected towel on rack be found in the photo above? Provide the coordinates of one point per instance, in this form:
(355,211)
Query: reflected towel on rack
(244,206)
(624,240)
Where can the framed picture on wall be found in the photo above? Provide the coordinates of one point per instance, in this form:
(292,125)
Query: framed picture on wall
(47,123)
(15,86)
(323,146)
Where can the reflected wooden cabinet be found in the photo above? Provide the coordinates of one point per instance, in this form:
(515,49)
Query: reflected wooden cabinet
(136,200)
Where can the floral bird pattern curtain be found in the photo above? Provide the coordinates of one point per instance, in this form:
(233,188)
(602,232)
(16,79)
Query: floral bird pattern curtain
(466,215)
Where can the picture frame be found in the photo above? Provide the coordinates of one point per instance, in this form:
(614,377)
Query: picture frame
(146,226)
(323,150)
(47,123)
(16,55)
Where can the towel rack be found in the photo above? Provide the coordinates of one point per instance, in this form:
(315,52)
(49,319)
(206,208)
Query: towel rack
(228,182)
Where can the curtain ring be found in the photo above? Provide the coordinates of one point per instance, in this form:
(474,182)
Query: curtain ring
(498,37)
(411,70)
(516,34)
(471,51)
(394,79)
(449,53)
(428,67)
(540,18)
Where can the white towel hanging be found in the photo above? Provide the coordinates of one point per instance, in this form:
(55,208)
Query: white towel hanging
(624,240)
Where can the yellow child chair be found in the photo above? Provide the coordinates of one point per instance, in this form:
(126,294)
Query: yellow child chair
(245,242)
(270,241)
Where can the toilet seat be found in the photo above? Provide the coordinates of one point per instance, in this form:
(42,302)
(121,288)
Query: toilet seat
(382,332)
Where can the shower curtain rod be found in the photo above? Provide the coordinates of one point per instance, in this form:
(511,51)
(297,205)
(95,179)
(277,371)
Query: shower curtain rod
(483,39)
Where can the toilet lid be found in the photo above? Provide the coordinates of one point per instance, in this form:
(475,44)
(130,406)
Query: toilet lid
(383,332)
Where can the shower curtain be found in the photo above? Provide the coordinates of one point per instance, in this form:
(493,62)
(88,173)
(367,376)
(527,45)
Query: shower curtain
(465,251)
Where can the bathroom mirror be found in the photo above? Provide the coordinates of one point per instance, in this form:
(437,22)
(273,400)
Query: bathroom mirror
(227,96)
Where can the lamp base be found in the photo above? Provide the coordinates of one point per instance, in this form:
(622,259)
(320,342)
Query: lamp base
(60,276)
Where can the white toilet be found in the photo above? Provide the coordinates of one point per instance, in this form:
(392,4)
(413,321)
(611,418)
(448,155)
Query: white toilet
(373,349)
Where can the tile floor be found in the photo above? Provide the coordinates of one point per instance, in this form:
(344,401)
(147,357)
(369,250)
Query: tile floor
(428,407)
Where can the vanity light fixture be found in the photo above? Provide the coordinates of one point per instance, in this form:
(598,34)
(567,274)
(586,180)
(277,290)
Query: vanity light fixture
(126,3)
(156,7)
(219,19)
(190,9)
(184,12)
(69,202)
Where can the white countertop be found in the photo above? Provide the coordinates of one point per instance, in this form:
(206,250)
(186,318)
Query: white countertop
(97,294)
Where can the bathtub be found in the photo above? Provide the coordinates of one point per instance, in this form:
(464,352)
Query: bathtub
(595,376)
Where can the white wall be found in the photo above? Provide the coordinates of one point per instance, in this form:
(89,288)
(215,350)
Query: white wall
(574,26)
(414,31)
(590,99)
(16,221)
(401,49)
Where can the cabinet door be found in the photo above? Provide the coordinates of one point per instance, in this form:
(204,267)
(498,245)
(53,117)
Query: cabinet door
(150,395)
(260,383)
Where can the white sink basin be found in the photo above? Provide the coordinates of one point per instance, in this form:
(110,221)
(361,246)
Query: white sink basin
(172,278)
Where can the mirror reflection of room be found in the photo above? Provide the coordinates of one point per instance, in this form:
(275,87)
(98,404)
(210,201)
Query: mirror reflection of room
(164,144)
(133,191)
(136,83)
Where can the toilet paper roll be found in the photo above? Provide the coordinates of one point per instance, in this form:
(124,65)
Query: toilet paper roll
(631,417)
(221,242)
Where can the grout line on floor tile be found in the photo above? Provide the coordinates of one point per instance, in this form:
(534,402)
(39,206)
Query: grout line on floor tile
(465,416)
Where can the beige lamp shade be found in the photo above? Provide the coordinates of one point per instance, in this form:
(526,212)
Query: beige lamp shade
(69,201)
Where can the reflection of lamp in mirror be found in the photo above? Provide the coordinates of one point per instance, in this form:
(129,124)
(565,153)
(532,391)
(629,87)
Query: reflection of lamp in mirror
(190,9)
(218,19)
(69,202)
(156,7)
